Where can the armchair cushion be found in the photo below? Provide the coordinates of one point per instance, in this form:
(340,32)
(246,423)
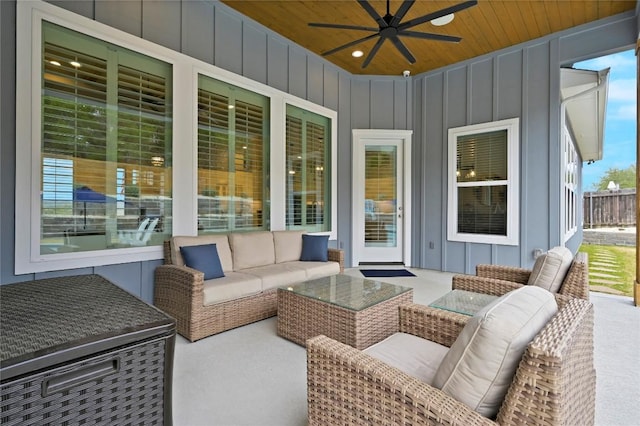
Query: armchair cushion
(411,354)
(480,365)
(203,258)
(550,269)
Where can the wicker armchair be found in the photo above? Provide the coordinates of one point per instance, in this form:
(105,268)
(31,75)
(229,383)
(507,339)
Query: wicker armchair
(553,385)
(498,280)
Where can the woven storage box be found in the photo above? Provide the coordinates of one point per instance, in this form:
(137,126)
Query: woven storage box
(80,350)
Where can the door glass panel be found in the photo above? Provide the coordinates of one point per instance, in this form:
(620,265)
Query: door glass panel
(380,221)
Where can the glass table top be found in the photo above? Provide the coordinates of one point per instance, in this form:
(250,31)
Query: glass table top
(348,292)
(463,302)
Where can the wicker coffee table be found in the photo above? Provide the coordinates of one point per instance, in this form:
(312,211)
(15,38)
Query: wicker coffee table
(355,311)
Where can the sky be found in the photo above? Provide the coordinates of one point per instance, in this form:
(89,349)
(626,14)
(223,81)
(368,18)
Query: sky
(620,126)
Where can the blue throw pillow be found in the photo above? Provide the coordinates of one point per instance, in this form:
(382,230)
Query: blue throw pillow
(315,247)
(204,258)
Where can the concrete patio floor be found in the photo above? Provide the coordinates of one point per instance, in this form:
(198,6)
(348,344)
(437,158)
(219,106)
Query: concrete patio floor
(250,376)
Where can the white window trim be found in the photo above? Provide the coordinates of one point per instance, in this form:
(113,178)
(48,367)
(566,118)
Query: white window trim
(29,16)
(512,126)
(569,151)
(279,164)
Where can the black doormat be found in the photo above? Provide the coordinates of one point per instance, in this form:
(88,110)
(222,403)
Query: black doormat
(370,273)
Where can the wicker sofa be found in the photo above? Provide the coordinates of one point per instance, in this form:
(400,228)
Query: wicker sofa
(554,383)
(254,265)
(498,280)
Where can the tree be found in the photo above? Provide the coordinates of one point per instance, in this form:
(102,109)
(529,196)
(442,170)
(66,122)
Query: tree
(626,178)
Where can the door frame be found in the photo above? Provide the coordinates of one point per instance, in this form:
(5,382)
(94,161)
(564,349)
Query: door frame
(359,136)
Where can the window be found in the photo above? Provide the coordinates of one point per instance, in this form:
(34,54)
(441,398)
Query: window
(569,186)
(483,183)
(97,112)
(233,157)
(308,163)
(106,114)
(380,191)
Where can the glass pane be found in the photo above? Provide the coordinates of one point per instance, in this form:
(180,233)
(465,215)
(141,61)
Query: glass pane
(346,291)
(233,157)
(482,157)
(103,188)
(308,156)
(482,210)
(380,221)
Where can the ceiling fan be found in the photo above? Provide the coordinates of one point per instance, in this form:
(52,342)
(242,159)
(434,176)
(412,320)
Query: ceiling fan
(390,27)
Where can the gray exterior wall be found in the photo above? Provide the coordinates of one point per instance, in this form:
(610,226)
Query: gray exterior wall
(521,81)
(213,33)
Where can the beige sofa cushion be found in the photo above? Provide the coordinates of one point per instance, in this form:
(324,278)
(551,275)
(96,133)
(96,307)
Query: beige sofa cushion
(277,275)
(251,249)
(413,355)
(221,242)
(315,269)
(480,365)
(550,269)
(233,285)
(288,245)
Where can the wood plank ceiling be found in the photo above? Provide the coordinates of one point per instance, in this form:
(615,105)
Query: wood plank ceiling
(488,26)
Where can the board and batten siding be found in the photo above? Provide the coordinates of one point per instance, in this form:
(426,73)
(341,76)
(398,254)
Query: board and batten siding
(215,34)
(521,81)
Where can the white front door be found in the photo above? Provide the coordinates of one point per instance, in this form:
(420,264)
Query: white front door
(381,191)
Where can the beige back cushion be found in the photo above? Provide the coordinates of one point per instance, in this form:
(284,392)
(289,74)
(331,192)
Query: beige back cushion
(481,363)
(550,269)
(288,245)
(252,249)
(221,242)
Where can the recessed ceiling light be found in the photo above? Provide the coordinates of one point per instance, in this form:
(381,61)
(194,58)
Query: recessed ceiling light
(232,106)
(443,20)
(75,64)
(357,53)
(56,63)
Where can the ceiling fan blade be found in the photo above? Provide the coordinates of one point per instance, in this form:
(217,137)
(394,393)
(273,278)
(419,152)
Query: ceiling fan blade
(438,14)
(373,52)
(402,10)
(372,12)
(430,36)
(403,49)
(351,43)
(342,27)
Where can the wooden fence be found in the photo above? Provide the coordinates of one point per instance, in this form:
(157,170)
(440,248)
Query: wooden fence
(605,208)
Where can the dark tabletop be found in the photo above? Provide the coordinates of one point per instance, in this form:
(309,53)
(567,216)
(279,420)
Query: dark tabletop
(53,314)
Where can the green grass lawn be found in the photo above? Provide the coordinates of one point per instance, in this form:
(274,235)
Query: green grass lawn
(625,260)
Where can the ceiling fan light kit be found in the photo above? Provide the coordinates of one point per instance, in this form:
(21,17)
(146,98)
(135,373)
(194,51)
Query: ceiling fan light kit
(392,28)
(443,20)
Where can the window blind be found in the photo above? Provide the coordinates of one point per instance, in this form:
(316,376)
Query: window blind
(481,173)
(106,119)
(482,157)
(294,171)
(74,128)
(232,154)
(307,153)
(380,194)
